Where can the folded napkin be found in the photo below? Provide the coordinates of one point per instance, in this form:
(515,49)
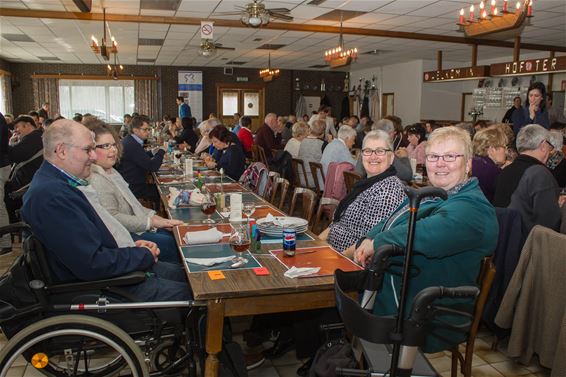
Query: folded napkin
(209,261)
(184,197)
(295,272)
(211,235)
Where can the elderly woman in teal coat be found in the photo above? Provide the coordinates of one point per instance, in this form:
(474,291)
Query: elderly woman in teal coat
(451,236)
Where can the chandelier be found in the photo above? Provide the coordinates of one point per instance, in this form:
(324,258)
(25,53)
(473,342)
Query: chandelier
(102,48)
(339,56)
(268,74)
(207,48)
(494,22)
(255,15)
(115,69)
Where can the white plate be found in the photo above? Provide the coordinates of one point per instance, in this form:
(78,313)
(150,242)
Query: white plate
(283,222)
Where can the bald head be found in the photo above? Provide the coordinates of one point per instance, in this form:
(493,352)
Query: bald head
(70,146)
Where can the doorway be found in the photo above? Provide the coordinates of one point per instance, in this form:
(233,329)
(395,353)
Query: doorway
(387,104)
(245,99)
(467,106)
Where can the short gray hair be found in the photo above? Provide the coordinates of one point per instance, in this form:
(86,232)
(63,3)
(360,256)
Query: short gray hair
(530,137)
(378,135)
(346,132)
(384,125)
(455,133)
(300,129)
(556,139)
(59,132)
(318,127)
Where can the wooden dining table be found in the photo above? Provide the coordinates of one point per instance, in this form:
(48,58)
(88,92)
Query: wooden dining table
(242,292)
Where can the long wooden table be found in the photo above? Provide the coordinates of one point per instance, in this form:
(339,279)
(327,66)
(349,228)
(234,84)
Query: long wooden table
(242,292)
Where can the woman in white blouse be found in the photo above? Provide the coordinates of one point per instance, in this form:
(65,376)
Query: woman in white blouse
(300,131)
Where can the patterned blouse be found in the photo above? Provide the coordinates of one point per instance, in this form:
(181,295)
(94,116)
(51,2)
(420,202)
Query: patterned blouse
(370,207)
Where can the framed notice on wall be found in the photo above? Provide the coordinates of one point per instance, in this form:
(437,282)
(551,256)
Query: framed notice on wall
(190,88)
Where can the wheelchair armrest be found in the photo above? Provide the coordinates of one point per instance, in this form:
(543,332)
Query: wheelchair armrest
(13,228)
(19,193)
(129,279)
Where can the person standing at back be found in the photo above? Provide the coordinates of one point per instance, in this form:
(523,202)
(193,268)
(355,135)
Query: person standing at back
(535,111)
(137,163)
(184,108)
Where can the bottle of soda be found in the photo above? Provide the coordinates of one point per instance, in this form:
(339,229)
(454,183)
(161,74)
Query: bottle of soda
(289,241)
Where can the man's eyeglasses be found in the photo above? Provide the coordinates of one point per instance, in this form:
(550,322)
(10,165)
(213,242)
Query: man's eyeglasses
(549,144)
(145,129)
(88,150)
(445,157)
(378,151)
(107,146)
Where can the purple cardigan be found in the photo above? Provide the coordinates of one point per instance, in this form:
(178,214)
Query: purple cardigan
(486,171)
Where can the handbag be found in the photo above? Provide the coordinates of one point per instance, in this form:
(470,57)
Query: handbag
(334,354)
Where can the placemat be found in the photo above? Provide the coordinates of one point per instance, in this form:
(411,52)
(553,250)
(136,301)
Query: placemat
(263,210)
(215,251)
(226,187)
(181,230)
(191,214)
(269,240)
(324,257)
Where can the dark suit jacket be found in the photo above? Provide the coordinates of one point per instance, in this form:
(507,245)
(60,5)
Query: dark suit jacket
(136,163)
(79,247)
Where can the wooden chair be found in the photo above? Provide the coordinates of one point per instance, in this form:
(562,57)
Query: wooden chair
(271,183)
(485,279)
(262,155)
(298,164)
(356,152)
(255,153)
(350,178)
(327,207)
(280,185)
(315,168)
(309,201)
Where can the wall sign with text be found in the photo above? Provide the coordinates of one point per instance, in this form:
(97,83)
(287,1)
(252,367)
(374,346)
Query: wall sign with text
(529,67)
(457,74)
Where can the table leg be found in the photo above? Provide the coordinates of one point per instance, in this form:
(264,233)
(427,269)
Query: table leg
(214,328)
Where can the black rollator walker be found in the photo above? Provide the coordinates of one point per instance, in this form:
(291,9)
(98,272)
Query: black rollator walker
(378,333)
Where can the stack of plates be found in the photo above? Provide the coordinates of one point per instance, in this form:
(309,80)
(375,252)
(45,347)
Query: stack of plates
(274,226)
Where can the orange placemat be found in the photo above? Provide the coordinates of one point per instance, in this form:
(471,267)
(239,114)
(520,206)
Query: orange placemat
(181,230)
(261,212)
(175,179)
(324,257)
(226,187)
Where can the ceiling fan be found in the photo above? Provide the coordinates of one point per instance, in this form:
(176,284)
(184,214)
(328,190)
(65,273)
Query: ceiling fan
(208,47)
(256,14)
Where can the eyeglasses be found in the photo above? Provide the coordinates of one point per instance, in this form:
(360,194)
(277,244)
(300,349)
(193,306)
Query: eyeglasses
(378,151)
(445,157)
(549,144)
(145,128)
(88,150)
(107,146)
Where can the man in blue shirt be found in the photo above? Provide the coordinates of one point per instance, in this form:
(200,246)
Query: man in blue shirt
(136,163)
(236,126)
(184,108)
(78,244)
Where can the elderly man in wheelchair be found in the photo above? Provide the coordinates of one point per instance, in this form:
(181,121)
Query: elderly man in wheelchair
(75,259)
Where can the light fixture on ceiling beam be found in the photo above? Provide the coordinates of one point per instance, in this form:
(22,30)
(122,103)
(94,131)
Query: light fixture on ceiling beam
(339,56)
(493,23)
(207,48)
(255,14)
(102,49)
(268,74)
(115,69)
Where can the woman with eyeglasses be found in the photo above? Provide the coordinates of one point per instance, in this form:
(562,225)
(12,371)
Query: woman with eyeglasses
(115,196)
(371,200)
(490,154)
(451,236)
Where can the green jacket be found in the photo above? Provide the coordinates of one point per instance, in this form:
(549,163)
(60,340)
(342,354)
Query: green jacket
(451,238)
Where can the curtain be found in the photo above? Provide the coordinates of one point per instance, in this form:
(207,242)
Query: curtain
(301,107)
(46,90)
(145,98)
(6,88)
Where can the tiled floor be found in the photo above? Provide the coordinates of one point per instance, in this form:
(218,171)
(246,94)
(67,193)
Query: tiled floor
(486,363)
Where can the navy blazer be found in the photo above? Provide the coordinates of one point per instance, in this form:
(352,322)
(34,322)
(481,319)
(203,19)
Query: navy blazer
(136,163)
(79,247)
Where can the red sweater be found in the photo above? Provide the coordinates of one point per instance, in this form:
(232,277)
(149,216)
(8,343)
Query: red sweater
(246,138)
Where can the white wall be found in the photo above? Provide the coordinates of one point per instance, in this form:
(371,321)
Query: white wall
(402,79)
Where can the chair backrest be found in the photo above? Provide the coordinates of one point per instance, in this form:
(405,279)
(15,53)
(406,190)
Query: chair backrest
(267,193)
(334,186)
(255,153)
(309,201)
(34,254)
(485,279)
(280,185)
(327,207)
(255,177)
(299,171)
(316,169)
(350,179)
(262,155)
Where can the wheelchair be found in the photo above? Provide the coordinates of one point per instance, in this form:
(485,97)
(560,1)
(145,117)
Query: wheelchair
(92,328)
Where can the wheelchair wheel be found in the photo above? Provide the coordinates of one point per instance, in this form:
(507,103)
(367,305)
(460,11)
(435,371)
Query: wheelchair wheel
(74,345)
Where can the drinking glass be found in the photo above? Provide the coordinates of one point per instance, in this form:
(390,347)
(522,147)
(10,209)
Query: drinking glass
(239,242)
(208,207)
(225,212)
(248,208)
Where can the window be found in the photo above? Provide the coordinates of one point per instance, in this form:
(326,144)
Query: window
(108,100)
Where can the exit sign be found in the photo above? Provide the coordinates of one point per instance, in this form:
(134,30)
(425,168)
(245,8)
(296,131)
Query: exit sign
(241,79)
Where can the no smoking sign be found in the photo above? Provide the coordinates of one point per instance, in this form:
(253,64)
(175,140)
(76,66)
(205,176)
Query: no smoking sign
(206,29)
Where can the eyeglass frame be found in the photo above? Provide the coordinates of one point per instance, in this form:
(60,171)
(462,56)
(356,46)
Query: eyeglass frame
(549,144)
(378,151)
(106,146)
(88,150)
(436,157)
